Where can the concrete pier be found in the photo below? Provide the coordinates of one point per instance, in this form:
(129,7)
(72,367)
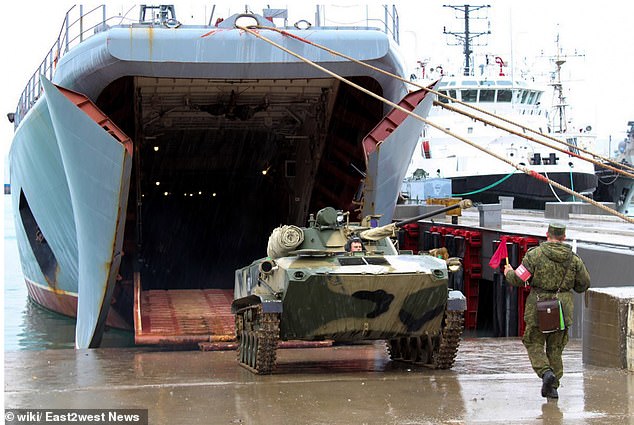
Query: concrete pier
(491,383)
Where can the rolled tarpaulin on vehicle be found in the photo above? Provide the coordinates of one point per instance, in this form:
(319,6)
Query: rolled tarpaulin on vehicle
(283,240)
(389,230)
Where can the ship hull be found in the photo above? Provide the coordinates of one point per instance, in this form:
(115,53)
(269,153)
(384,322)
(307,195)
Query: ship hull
(71,179)
(527,191)
(65,303)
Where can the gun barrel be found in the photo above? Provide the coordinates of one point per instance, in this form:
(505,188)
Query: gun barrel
(464,204)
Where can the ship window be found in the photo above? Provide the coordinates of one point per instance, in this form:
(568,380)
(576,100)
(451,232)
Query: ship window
(41,249)
(469,83)
(450,93)
(504,95)
(487,95)
(538,98)
(504,83)
(469,95)
(486,83)
(531,97)
(524,96)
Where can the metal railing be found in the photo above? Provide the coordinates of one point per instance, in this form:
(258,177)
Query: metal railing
(76,28)
(391,17)
(389,22)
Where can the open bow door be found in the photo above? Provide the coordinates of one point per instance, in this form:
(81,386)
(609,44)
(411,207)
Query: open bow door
(97,158)
(388,151)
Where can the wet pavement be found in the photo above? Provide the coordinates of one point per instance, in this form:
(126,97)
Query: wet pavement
(491,383)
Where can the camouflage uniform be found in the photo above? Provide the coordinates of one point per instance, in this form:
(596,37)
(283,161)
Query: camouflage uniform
(547,263)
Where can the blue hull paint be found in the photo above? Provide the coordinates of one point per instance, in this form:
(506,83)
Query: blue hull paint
(37,171)
(99,194)
(73,177)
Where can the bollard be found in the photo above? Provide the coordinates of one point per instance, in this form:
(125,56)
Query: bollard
(490,215)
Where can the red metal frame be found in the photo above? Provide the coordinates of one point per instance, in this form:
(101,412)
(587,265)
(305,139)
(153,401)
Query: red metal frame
(98,116)
(472,266)
(392,120)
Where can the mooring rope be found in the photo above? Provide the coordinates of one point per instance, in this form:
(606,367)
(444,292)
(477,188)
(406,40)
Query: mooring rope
(524,169)
(468,105)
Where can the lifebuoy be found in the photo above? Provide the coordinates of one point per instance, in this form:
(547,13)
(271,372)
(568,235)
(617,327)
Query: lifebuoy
(302,24)
(172,23)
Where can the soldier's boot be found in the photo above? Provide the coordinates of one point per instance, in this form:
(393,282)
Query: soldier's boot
(548,382)
(552,393)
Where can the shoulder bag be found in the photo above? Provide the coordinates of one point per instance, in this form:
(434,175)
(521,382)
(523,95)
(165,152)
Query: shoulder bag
(550,315)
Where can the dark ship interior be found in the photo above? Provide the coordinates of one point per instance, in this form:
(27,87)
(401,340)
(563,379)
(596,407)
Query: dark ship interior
(219,164)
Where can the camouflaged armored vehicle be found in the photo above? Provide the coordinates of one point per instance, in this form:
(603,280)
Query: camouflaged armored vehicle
(310,288)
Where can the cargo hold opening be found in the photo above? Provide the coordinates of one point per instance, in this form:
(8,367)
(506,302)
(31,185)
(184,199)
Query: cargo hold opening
(219,164)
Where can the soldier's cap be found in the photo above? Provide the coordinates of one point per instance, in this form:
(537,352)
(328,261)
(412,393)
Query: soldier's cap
(556,229)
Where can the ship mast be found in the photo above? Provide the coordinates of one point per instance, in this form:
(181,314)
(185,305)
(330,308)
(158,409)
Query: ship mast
(559,121)
(466,37)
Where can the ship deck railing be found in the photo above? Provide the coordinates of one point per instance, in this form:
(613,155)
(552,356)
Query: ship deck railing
(77,27)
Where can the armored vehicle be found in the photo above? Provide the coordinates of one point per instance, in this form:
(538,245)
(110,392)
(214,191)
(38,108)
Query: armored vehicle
(311,288)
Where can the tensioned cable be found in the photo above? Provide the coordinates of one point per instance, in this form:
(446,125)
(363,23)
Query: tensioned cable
(552,189)
(437,93)
(604,165)
(524,169)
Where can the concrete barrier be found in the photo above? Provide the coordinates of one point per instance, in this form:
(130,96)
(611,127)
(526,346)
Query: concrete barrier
(506,202)
(608,327)
(490,216)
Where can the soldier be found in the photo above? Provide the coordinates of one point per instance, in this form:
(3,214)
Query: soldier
(552,270)
(354,245)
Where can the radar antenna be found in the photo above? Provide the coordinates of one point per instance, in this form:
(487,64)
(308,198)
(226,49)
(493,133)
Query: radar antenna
(466,37)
